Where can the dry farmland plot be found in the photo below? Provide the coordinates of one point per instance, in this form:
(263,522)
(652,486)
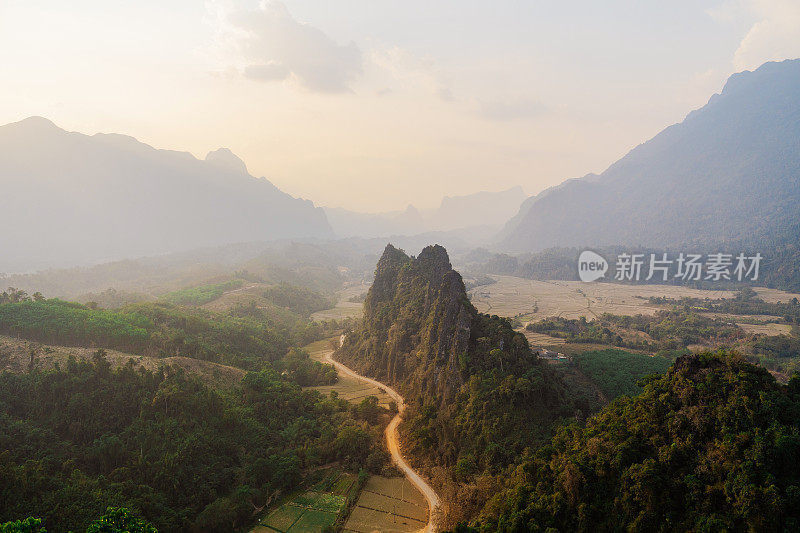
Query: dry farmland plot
(344,307)
(767,329)
(774,295)
(534,300)
(348,387)
(540,339)
(390,505)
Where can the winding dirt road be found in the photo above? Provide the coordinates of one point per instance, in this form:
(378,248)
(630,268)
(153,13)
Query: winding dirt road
(393,442)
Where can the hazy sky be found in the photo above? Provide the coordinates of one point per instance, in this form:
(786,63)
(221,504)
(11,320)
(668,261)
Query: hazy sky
(371,104)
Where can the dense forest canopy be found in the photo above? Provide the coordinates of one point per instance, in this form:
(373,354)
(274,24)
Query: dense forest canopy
(711,446)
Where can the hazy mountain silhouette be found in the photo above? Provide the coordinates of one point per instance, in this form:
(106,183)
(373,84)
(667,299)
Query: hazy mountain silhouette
(730,172)
(77,199)
(479,210)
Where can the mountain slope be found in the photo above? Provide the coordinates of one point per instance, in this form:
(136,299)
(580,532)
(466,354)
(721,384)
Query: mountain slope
(79,199)
(476,395)
(730,172)
(710,446)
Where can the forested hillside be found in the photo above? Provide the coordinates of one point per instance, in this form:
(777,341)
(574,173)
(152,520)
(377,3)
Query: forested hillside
(164,445)
(711,446)
(245,336)
(477,395)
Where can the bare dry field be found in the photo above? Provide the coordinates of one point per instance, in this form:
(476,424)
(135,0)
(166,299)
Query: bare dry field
(344,308)
(390,505)
(753,319)
(15,356)
(348,388)
(540,339)
(767,329)
(774,295)
(534,300)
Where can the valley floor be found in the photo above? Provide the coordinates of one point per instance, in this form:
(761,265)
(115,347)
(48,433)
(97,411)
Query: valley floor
(533,300)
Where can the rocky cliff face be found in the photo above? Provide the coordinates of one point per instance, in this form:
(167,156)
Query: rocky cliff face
(421,332)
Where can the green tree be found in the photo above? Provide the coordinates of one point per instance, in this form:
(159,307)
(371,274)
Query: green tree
(28,525)
(120,520)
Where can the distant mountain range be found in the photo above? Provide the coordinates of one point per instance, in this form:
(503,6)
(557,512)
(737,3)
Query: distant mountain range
(729,173)
(484,212)
(77,199)
(728,176)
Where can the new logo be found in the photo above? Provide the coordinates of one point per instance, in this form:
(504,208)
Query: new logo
(591,266)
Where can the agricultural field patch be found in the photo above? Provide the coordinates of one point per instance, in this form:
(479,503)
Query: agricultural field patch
(315,509)
(346,306)
(532,300)
(773,296)
(541,340)
(766,329)
(388,504)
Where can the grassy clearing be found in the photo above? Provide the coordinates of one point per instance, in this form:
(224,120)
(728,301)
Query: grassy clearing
(541,340)
(203,294)
(15,356)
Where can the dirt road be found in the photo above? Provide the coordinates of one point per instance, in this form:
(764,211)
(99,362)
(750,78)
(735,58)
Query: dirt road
(393,443)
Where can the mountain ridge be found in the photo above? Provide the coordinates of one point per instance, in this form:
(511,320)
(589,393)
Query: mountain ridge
(85,199)
(728,173)
(483,211)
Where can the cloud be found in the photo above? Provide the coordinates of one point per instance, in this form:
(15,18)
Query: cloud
(270,45)
(774,34)
(412,71)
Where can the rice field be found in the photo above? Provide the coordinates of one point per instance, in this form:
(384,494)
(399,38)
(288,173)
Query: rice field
(390,505)
(313,510)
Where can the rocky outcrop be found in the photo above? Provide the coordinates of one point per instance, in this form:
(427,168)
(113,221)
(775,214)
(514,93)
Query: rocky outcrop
(476,397)
(421,333)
